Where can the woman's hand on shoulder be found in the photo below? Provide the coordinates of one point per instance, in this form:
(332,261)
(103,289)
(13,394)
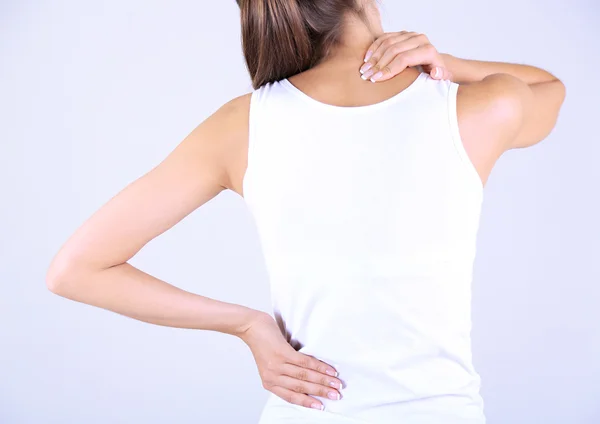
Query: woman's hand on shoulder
(393,52)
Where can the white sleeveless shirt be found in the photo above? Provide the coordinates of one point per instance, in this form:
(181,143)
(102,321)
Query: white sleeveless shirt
(367,218)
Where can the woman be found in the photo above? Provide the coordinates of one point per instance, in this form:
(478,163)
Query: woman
(365,177)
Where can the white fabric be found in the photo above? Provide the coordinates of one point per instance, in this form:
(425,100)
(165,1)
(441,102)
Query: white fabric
(368,218)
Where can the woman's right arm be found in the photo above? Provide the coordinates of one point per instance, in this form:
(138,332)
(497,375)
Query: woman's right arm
(502,105)
(523,101)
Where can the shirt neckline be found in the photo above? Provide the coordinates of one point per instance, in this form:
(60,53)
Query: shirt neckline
(301,94)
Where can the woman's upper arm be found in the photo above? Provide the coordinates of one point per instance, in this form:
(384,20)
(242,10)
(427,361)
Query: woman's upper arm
(193,173)
(507,113)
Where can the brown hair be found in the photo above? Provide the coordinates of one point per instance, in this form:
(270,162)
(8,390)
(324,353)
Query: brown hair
(281,38)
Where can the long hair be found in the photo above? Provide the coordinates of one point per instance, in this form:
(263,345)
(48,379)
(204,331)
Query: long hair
(281,38)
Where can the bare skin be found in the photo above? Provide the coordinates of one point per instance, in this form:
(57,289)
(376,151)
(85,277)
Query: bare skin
(500,107)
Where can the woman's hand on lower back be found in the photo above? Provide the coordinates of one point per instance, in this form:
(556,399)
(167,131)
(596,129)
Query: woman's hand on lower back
(393,52)
(289,374)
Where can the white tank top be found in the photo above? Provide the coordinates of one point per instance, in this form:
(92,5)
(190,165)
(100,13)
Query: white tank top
(367,218)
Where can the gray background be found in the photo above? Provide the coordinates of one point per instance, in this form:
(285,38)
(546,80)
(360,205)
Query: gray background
(94,94)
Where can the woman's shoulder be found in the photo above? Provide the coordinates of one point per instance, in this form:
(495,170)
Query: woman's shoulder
(227,130)
(235,108)
(491,110)
(496,99)
(231,118)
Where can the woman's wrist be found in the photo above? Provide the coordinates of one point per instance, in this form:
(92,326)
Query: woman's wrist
(251,316)
(461,69)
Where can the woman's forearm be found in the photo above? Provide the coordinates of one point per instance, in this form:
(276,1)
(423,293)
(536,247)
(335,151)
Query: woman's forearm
(129,291)
(466,70)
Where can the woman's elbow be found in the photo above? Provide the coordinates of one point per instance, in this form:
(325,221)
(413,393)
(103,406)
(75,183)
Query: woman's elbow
(55,276)
(60,275)
(562,91)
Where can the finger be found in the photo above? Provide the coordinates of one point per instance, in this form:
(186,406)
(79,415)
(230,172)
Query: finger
(375,45)
(388,50)
(390,53)
(440,73)
(437,72)
(309,375)
(297,398)
(307,361)
(425,68)
(396,44)
(385,54)
(308,388)
(382,44)
(402,61)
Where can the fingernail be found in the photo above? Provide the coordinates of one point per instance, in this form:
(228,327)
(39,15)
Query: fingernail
(367,74)
(317,406)
(334,373)
(368,56)
(366,67)
(376,76)
(437,72)
(335,384)
(333,395)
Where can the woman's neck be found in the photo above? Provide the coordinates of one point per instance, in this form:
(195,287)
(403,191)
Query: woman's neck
(357,36)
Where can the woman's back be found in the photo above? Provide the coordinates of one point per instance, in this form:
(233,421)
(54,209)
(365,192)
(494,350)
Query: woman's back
(368,218)
(367,215)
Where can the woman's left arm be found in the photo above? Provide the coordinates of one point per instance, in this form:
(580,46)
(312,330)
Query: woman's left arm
(93,266)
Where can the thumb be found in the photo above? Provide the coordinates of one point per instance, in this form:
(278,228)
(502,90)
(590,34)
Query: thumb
(437,72)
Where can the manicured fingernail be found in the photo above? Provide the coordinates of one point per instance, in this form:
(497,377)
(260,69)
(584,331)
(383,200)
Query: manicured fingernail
(366,67)
(437,72)
(330,372)
(367,74)
(368,56)
(335,384)
(333,395)
(317,406)
(376,76)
